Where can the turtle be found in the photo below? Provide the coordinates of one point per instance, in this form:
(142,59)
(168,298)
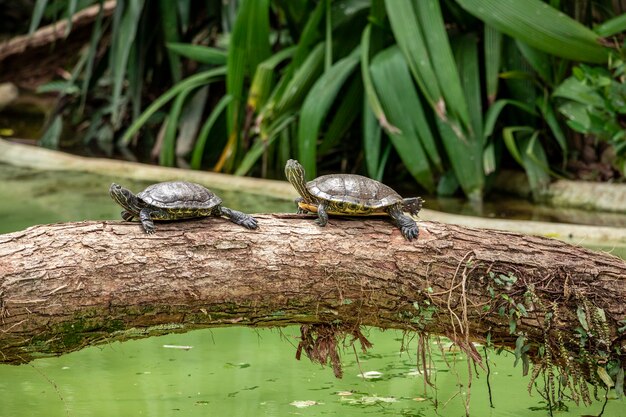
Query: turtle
(174,200)
(352,195)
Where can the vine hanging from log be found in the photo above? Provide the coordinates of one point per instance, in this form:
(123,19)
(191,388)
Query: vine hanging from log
(66,286)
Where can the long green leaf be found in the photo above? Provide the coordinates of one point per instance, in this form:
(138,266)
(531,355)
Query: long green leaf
(370,91)
(199,53)
(311,35)
(372,138)
(40,7)
(491,117)
(125,25)
(328,42)
(167,156)
(541,26)
(414,144)
(612,26)
(71,9)
(466,58)
(466,160)
(249,46)
(50,139)
(296,87)
(493,61)
(193,81)
(305,57)
(96,35)
(345,115)
(184,11)
(263,80)
(538,60)
(535,165)
(494,112)
(519,78)
(198,150)
(316,105)
(403,21)
(549,115)
(466,151)
(263,142)
(440,51)
(191,118)
(508,134)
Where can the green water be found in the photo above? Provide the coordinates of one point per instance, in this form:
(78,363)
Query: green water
(235,371)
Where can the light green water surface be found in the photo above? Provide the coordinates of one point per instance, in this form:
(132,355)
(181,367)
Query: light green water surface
(237,371)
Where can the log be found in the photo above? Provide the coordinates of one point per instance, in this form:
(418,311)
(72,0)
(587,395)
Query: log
(66,286)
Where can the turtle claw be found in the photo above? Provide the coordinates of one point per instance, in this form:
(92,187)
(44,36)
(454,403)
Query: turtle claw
(249,223)
(410,232)
(238,217)
(321,223)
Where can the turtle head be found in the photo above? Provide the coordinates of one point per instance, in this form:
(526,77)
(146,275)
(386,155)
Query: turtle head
(124,197)
(295,174)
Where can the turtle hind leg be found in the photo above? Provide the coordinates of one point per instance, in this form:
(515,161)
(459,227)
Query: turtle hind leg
(412,205)
(238,217)
(407,225)
(146,220)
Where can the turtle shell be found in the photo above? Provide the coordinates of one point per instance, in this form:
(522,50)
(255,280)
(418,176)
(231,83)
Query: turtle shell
(353,189)
(179,195)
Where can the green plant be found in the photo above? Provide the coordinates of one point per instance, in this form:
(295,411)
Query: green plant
(594,103)
(419,82)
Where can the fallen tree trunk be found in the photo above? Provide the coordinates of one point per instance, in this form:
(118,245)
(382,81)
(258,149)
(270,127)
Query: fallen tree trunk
(65,286)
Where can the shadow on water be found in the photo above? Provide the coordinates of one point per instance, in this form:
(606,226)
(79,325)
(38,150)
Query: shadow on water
(233,371)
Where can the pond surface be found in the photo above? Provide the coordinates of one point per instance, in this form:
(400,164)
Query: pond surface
(236,371)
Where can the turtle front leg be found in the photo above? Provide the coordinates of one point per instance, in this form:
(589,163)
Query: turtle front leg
(300,209)
(407,225)
(146,220)
(127,215)
(238,217)
(322,216)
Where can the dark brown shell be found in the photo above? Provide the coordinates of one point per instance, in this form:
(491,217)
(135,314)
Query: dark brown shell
(179,195)
(354,189)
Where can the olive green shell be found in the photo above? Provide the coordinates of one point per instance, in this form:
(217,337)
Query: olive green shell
(179,195)
(354,190)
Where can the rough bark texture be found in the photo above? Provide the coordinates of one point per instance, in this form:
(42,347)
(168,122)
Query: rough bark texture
(65,286)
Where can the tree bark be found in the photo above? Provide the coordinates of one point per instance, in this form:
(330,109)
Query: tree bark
(65,286)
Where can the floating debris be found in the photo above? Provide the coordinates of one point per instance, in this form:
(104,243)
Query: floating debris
(369,400)
(345,393)
(240,365)
(303,404)
(376,399)
(371,375)
(177,347)
(416,372)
